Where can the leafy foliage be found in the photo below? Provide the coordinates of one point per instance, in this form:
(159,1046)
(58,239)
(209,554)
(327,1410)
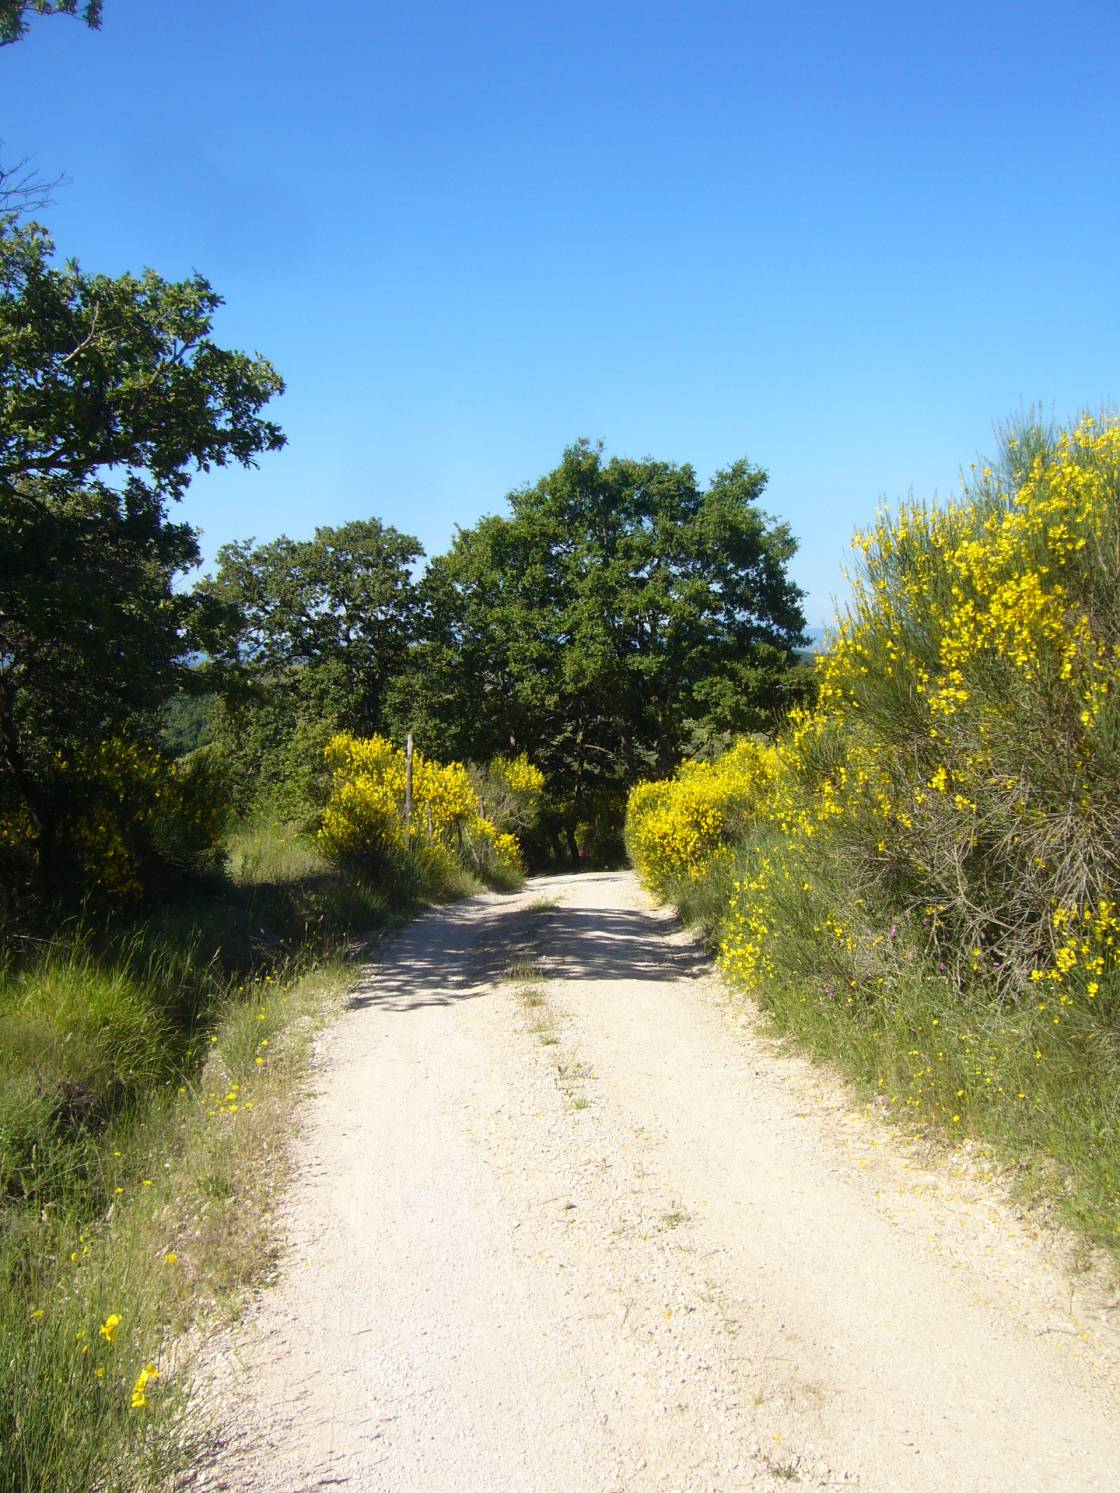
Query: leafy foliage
(14,15)
(185,723)
(316,630)
(929,882)
(111,395)
(615,609)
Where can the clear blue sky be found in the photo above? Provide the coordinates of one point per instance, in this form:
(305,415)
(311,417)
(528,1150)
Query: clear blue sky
(839,239)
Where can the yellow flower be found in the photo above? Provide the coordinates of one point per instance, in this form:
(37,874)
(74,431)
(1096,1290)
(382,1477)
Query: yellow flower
(108,1328)
(146,1376)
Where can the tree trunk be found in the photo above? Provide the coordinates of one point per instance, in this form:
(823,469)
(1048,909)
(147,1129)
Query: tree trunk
(38,802)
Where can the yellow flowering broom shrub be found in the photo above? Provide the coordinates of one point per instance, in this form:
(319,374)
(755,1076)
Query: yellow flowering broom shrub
(364,825)
(961,764)
(929,880)
(130,819)
(676,827)
(512,791)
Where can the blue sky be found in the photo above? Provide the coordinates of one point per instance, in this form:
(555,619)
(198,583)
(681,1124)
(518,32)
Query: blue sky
(840,240)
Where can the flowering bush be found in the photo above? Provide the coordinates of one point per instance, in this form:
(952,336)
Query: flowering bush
(927,874)
(129,818)
(961,761)
(364,825)
(510,790)
(676,827)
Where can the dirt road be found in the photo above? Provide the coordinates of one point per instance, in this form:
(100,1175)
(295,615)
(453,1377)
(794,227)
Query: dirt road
(602,1236)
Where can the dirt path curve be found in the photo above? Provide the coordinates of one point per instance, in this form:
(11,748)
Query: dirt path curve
(609,1239)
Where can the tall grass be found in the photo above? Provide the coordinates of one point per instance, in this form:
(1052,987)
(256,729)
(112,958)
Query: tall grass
(136,1067)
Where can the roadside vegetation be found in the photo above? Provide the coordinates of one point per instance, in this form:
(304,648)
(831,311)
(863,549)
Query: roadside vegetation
(214,796)
(919,877)
(149,1053)
(145,1079)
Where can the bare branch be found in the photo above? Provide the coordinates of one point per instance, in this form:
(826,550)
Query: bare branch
(88,338)
(23,190)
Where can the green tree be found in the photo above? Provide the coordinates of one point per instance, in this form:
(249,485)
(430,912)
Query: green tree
(619,609)
(112,395)
(319,628)
(14,15)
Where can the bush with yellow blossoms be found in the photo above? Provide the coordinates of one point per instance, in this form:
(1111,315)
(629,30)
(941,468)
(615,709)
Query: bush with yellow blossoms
(364,824)
(510,790)
(960,767)
(926,881)
(677,827)
(131,819)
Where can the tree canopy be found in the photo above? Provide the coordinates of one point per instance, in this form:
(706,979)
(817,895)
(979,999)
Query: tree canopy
(343,599)
(112,395)
(618,609)
(14,15)
(316,630)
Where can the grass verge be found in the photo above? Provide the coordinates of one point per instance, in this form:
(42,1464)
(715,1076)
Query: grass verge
(146,1085)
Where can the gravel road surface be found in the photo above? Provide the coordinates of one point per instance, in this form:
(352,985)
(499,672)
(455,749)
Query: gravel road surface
(594,1232)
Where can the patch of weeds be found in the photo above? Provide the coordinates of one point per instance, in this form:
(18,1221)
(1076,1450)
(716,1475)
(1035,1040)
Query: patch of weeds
(786,1472)
(215,1185)
(524,969)
(568,1077)
(675,1219)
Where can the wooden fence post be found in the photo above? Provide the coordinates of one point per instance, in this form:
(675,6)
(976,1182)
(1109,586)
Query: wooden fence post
(408,785)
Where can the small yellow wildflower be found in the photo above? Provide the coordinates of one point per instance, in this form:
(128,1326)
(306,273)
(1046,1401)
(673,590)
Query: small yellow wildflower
(146,1376)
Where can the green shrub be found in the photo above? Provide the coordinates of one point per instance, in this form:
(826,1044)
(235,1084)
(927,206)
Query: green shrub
(930,890)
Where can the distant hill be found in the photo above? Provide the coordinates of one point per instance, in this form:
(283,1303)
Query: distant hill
(817,642)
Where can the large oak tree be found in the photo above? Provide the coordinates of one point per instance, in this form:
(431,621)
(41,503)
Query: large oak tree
(617,611)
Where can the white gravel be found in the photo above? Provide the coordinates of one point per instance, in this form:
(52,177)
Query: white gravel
(653,1253)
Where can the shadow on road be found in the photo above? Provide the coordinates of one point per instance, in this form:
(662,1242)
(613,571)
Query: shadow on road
(459,952)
